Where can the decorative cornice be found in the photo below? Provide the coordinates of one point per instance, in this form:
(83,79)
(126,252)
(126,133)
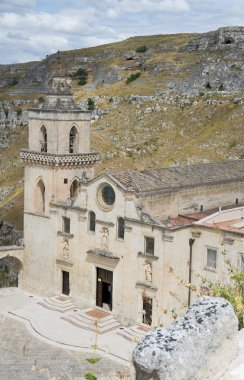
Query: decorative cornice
(147,256)
(146,286)
(39,214)
(64,262)
(167,237)
(65,234)
(228,240)
(105,223)
(102,253)
(79,160)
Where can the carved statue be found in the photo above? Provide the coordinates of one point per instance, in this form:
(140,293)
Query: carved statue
(65,254)
(104,240)
(148,272)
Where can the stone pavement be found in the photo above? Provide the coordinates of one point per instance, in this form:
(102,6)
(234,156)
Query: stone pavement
(25,357)
(35,330)
(51,339)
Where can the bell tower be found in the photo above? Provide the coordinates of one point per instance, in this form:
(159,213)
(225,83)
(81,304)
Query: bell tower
(57,158)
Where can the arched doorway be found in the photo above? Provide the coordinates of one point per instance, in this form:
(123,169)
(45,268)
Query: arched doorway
(10,268)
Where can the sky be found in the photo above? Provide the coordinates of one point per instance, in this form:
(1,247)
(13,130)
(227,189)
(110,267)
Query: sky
(32,29)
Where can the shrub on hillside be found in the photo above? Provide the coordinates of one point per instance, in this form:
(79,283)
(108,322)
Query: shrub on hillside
(41,99)
(90,104)
(81,74)
(141,49)
(19,111)
(133,77)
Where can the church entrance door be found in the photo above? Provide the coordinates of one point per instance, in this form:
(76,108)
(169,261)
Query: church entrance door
(104,288)
(147,310)
(65,283)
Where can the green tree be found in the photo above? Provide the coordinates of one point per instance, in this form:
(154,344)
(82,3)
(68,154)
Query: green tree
(90,104)
(133,77)
(19,111)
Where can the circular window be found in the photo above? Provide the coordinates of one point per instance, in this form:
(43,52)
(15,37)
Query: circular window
(106,196)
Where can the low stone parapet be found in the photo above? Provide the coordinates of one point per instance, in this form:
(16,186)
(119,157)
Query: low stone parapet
(197,346)
(12,250)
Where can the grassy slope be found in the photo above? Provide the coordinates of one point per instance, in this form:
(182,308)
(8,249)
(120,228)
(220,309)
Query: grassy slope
(172,135)
(134,138)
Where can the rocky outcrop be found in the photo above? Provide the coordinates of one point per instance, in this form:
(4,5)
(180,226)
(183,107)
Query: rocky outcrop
(220,68)
(197,346)
(215,76)
(9,235)
(11,116)
(231,38)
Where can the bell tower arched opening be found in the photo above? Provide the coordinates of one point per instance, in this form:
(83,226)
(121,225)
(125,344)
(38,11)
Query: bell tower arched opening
(73,140)
(40,197)
(43,138)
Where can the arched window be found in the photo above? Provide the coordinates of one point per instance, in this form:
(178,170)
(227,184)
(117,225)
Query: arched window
(73,140)
(43,138)
(92,221)
(74,189)
(121,228)
(40,196)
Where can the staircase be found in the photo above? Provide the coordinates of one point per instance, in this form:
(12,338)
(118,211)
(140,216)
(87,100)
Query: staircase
(95,320)
(134,333)
(61,304)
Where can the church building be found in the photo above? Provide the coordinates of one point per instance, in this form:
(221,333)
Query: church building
(121,241)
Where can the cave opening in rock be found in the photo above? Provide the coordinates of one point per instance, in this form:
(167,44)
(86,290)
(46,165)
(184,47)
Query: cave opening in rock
(228,41)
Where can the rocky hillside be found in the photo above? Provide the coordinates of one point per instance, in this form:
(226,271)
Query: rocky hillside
(159,100)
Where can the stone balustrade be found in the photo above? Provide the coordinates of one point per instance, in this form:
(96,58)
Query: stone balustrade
(61,160)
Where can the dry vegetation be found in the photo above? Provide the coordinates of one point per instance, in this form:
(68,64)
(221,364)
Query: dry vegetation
(135,135)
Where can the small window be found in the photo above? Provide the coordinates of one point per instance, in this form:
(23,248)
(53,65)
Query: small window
(66,225)
(237,201)
(65,180)
(121,228)
(105,197)
(108,195)
(149,245)
(92,221)
(211,258)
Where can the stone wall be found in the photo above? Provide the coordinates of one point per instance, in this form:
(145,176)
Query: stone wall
(197,346)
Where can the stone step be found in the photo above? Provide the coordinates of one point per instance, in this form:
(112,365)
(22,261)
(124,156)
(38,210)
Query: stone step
(111,322)
(61,304)
(84,318)
(87,322)
(134,333)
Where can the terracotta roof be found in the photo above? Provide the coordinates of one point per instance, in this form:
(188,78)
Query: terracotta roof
(177,177)
(188,219)
(178,221)
(227,220)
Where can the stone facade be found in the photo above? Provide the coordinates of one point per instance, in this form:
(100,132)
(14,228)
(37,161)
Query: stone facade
(109,241)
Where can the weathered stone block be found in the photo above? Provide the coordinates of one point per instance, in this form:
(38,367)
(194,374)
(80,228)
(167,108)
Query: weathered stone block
(197,346)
